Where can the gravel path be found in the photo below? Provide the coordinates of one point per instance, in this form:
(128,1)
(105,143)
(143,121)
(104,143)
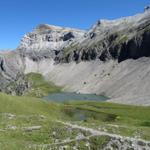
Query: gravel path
(99,133)
(124,141)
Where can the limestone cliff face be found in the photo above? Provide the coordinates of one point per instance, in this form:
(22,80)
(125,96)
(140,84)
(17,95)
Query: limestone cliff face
(47,37)
(47,40)
(121,39)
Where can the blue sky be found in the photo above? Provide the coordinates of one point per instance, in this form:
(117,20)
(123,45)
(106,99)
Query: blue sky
(21,16)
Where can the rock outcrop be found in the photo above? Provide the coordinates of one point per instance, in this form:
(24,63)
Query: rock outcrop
(12,79)
(46,41)
(122,39)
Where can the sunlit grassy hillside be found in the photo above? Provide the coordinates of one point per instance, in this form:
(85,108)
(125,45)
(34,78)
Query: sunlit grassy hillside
(40,87)
(26,122)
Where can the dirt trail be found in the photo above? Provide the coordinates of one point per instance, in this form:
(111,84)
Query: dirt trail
(95,133)
(99,133)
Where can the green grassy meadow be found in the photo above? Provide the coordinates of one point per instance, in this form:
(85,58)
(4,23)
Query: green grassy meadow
(40,87)
(19,114)
(28,122)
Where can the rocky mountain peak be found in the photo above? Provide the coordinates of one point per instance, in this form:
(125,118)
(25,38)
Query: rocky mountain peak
(119,39)
(147,8)
(49,37)
(44,27)
(47,27)
(123,22)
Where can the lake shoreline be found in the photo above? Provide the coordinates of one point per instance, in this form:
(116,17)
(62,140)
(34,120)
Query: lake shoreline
(66,96)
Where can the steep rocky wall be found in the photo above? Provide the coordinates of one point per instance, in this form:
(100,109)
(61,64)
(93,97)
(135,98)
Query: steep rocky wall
(48,37)
(127,38)
(12,80)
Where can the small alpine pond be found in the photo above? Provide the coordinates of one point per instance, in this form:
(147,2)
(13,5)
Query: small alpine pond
(65,97)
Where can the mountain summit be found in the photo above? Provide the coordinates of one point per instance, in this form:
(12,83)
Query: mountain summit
(48,37)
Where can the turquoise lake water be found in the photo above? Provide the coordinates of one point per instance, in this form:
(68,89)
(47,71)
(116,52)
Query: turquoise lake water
(64,97)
